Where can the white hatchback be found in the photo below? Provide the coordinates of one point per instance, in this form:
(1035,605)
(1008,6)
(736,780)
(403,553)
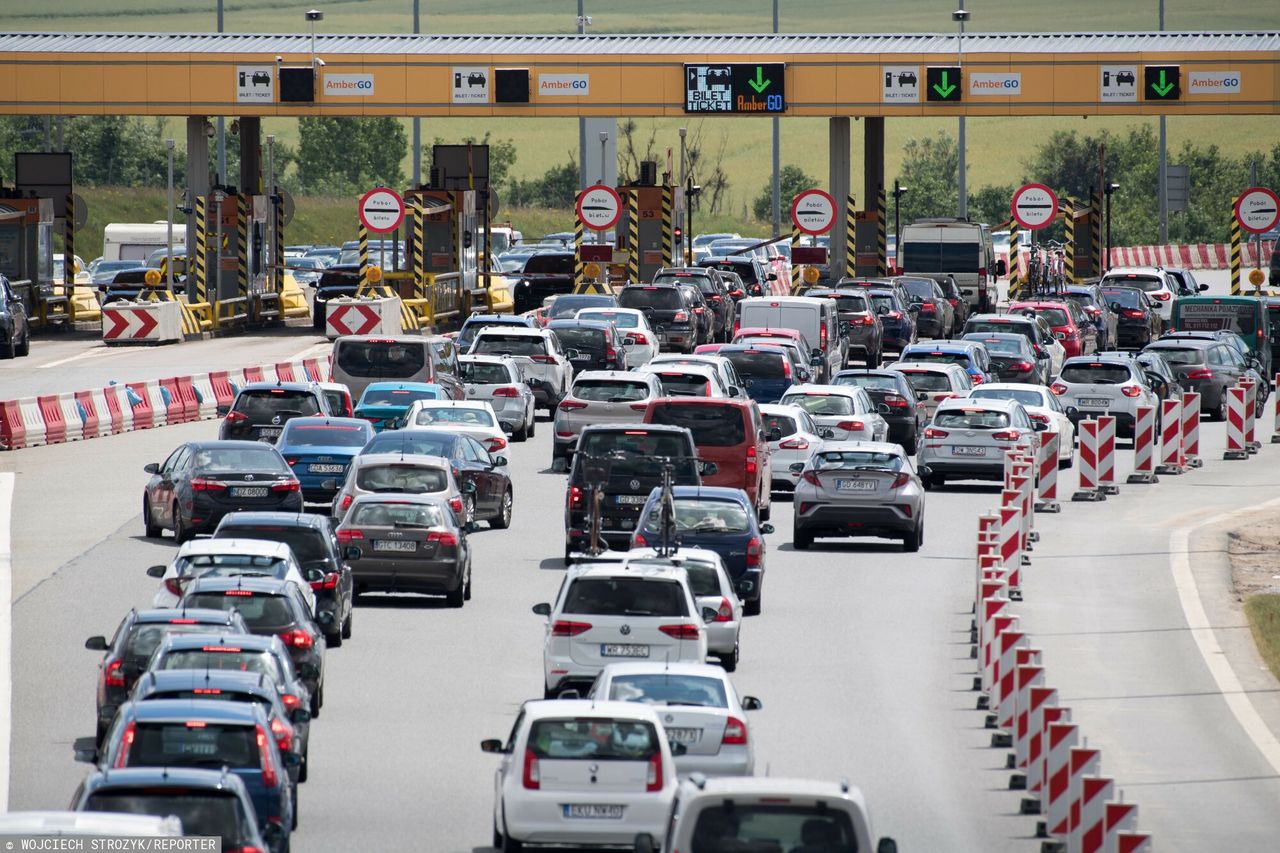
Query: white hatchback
(223,558)
(796,439)
(582,773)
(475,418)
(639,340)
(842,412)
(1043,408)
(938,382)
(712,587)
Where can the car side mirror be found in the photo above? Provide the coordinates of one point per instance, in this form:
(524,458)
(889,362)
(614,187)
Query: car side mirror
(1039,426)
(96,643)
(766,529)
(500,461)
(542,608)
(300,715)
(1041,354)
(922,396)
(774,434)
(773,276)
(326,619)
(571,353)
(708,469)
(151,468)
(644,841)
(221,411)
(352,552)
(709,614)
(86,749)
(924,471)
(629,340)
(492,745)
(1202,288)
(1001,268)
(313,574)
(329,485)
(887,845)
(156,571)
(751,703)
(677,749)
(469,487)
(796,467)
(308,671)
(881,310)
(883,408)
(1070,411)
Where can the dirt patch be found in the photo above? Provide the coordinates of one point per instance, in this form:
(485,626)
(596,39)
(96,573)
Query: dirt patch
(1253,546)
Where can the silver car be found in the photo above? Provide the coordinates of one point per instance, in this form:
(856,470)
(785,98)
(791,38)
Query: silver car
(936,381)
(601,397)
(797,438)
(698,707)
(398,473)
(859,488)
(968,439)
(712,587)
(845,410)
(500,382)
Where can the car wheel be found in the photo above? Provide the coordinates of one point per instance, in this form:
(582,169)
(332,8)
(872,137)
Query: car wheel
(180,532)
(469,512)
(730,661)
(293,822)
(317,699)
(912,541)
(533,424)
(935,481)
(502,520)
(912,443)
(521,434)
(497,837)
(9,351)
(801,539)
(150,529)
(24,348)
(457,597)
(334,640)
(1220,412)
(346,625)
(765,511)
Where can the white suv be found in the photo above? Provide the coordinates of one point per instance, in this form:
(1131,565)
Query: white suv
(1160,286)
(609,612)
(543,361)
(1105,385)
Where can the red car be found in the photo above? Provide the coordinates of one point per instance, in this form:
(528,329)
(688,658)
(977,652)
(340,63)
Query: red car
(1070,324)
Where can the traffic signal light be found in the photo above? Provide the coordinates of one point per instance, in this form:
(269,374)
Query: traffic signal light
(678,233)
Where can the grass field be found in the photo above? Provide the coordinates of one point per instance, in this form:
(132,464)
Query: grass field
(1263,612)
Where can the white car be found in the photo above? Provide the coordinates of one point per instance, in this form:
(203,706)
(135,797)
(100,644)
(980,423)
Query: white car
(475,418)
(845,411)
(729,378)
(1042,406)
(797,439)
(639,340)
(687,380)
(609,612)
(937,381)
(545,363)
(712,587)
(601,397)
(499,382)
(583,773)
(1160,287)
(222,558)
(968,439)
(699,709)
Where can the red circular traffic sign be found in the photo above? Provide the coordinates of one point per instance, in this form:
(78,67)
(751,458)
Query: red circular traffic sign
(599,207)
(1034,206)
(381,210)
(813,211)
(1258,210)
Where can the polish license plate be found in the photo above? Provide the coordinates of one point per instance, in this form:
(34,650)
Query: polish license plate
(393,545)
(633,500)
(623,650)
(684,736)
(1095,402)
(326,469)
(581,358)
(576,810)
(964,450)
(855,485)
(249,492)
(269,432)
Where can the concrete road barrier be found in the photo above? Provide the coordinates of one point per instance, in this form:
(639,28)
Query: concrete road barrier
(143,322)
(350,316)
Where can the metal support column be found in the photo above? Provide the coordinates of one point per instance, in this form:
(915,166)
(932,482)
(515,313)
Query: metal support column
(1237,244)
(197,181)
(795,268)
(882,236)
(243,200)
(839,187)
(1069,237)
(199,250)
(870,258)
(1014,255)
(251,155)
(633,235)
(363,237)
(578,239)
(419,255)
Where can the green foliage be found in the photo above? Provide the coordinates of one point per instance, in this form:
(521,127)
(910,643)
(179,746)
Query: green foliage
(343,156)
(991,204)
(791,182)
(106,150)
(558,187)
(930,168)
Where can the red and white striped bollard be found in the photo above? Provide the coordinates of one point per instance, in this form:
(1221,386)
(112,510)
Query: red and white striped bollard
(1094,794)
(1170,438)
(1275,435)
(1107,455)
(1047,488)
(1144,446)
(1250,414)
(1191,429)
(1236,448)
(1088,467)
(1062,739)
(1083,762)
(1119,817)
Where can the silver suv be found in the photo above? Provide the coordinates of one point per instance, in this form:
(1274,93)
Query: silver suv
(1113,384)
(600,397)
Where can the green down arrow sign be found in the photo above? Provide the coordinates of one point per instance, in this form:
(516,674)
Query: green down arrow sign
(943,83)
(759,84)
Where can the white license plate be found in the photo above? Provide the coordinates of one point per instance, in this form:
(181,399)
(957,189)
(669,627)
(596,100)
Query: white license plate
(392,545)
(581,358)
(623,650)
(272,432)
(326,469)
(855,485)
(593,811)
(968,451)
(684,736)
(1095,402)
(634,500)
(249,492)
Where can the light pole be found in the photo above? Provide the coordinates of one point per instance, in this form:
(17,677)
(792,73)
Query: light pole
(314,15)
(777,157)
(583,20)
(1162,177)
(417,120)
(222,125)
(960,16)
(273,236)
(688,235)
(168,266)
(604,153)
(1109,189)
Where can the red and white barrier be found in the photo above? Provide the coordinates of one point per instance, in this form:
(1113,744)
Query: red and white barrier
(1083,762)
(1088,468)
(1191,429)
(1061,740)
(1021,482)
(1047,487)
(72,421)
(1197,256)
(1144,449)
(1003,689)
(32,422)
(1236,448)
(118,408)
(1107,455)
(1011,539)
(1042,712)
(93,423)
(1028,677)
(1001,624)
(1118,818)
(1133,842)
(1250,414)
(1088,833)
(1171,461)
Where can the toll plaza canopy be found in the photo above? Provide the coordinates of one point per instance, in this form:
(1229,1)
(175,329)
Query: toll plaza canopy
(1170,73)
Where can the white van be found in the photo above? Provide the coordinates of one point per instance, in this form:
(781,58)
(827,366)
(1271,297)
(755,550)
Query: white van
(817,321)
(135,241)
(958,248)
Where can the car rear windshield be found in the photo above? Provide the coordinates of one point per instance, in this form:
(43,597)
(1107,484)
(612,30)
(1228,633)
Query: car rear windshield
(937,357)
(1125,296)
(702,282)
(549,264)
(711,425)
(1006,326)
(594,738)
(734,826)
(1180,355)
(463,417)
(919,256)
(703,579)
(870,381)
(784,424)
(625,597)
(745,270)
(382,359)
(1054,316)
(669,689)
(414,479)
(582,338)
(918,288)
(821,404)
(620,319)
(205,813)
(849,302)
(261,406)
(858,460)
(394,514)
(260,610)
(703,515)
(1095,373)
(1026,398)
(327,435)
(609,390)
(636,451)
(927,380)
(305,542)
(1002,345)
(484,373)
(676,384)
(657,298)
(758,364)
(226,461)
(570,304)
(971,419)
(232,661)
(422,442)
(199,565)
(884,300)
(1144,282)
(397,396)
(496,343)
(194,744)
(146,637)
(215,694)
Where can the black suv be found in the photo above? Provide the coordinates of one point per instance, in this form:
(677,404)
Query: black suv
(338,280)
(545,274)
(751,270)
(671,311)
(714,291)
(634,455)
(596,345)
(315,546)
(261,409)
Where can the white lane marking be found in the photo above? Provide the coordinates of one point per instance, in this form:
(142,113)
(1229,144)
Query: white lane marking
(96,352)
(1219,667)
(6,636)
(313,351)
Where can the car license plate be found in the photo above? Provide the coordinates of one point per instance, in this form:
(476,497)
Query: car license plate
(326,469)
(593,811)
(855,485)
(684,736)
(393,545)
(964,450)
(581,358)
(1095,402)
(623,650)
(249,492)
(634,500)
(269,432)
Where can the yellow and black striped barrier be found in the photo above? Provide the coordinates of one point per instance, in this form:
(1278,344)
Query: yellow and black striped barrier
(1237,247)
(578,235)
(1095,242)
(362,235)
(242,246)
(633,235)
(419,249)
(796,269)
(202,251)
(882,236)
(850,237)
(1015,253)
(668,235)
(1069,238)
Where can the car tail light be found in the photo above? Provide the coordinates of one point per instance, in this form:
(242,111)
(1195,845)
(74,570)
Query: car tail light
(1130,390)
(751,461)
(982,272)
(290,701)
(207,691)
(683,631)
(174,585)
(786,368)
(653,782)
(1163,296)
(977,379)
(283,733)
(639,407)
(735,732)
(346,502)
(754,550)
(737,324)
(532,778)
(291,462)
(201,484)
(1093,311)
(927,308)
(1021,367)
(506,391)
(724,613)
(610,352)
(455,504)
(330,581)
(639,541)
(954,302)
(1200,373)
(575,497)
(1058,388)
(794,444)
(934,432)
(568,628)
(444,538)
(811,477)
(543,359)
(269,776)
(571,405)
(681,317)
(894,315)
(895,401)
(900,481)
(493,445)
(297,639)
(822,337)
(852,426)
(126,744)
(287,486)
(1132,313)
(348,535)
(1006,435)
(236,417)
(640,338)
(1040,419)
(112,675)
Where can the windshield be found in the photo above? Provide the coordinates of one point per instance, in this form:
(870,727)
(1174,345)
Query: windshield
(703,515)
(484,373)
(759,364)
(260,610)
(609,390)
(669,689)
(401,397)
(414,479)
(449,415)
(711,425)
(926,380)
(638,451)
(262,406)
(620,319)
(1126,297)
(684,384)
(884,300)
(206,744)
(920,256)
(971,419)
(784,424)
(222,461)
(549,264)
(1026,398)
(989,326)
(657,298)
(305,542)
(211,813)
(919,289)
(735,826)
(1179,355)
(615,596)
(381,359)
(821,404)
(1009,346)
(234,661)
(596,738)
(1095,373)
(323,435)
(496,343)
(394,514)
(1053,316)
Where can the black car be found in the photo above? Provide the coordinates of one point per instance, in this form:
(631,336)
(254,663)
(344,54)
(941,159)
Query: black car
(596,345)
(1013,357)
(907,415)
(138,635)
(1202,365)
(315,546)
(336,281)
(1138,323)
(545,274)
(753,272)
(714,292)
(858,322)
(202,481)
(273,608)
(261,409)
(935,317)
(670,310)
(1170,385)
(565,307)
(896,318)
(959,304)
(15,332)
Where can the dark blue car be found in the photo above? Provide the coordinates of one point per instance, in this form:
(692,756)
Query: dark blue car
(719,519)
(319,449)
(895,316)
(766,369)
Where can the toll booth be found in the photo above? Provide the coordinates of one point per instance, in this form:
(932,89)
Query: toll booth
(442,250)
(644,230)
(232,268)
(26,256)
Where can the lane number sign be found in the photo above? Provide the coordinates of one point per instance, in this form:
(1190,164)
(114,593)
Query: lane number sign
(599,207)
(1035,206)
(813,211)
(381,210)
